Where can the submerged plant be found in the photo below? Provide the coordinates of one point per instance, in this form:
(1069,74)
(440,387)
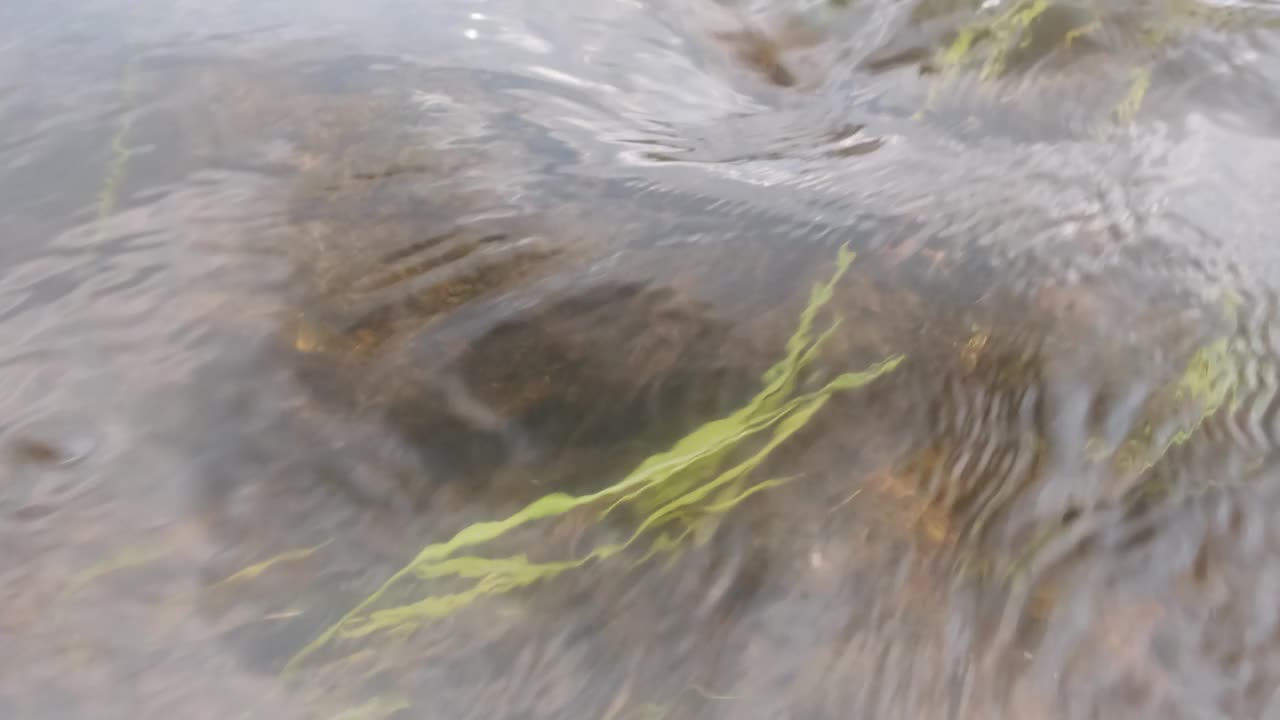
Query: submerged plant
(995,36)
(119,151)
(257,569)
(1206,384)
(671,495)
(992,39)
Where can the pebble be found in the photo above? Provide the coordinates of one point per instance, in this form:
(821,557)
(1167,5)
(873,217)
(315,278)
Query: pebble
(51,442)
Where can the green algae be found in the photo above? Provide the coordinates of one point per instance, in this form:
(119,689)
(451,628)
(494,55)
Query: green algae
(674,494)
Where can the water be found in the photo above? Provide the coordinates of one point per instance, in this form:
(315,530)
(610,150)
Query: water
(291,291)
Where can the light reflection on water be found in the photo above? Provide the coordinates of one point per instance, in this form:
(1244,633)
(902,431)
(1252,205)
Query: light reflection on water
(289,293)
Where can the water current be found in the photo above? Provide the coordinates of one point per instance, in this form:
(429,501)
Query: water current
(641,359)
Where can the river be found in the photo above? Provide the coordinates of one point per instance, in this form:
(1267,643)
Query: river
(639,359)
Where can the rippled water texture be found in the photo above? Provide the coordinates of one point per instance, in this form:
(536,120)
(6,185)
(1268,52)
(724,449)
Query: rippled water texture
(639,359)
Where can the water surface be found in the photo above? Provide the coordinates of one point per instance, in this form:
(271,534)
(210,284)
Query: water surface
(291,291)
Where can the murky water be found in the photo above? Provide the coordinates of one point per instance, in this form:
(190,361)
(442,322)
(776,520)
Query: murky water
(292,291)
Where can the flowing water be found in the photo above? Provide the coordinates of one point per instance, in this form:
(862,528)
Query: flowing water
(639,359)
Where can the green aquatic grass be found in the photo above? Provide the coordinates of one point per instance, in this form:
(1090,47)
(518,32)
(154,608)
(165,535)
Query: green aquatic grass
(119,152)
(673,494)
(375,709)
(1205,386)
(1208,382)
(125,559)
(1128,108)
(988,40)
(1173,416)
(257,569)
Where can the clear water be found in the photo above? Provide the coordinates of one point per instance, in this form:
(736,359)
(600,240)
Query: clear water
(289,291)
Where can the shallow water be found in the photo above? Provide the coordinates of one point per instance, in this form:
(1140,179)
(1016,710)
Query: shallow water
(290,291)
